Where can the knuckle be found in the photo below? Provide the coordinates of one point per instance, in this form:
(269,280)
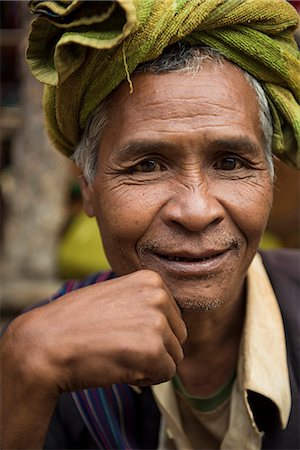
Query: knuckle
(136,377)
(183,334)
(155,353)
(162,372)
(179,357)
(160,299)
(159,323)
(153,278)
(152,365)
(166,372)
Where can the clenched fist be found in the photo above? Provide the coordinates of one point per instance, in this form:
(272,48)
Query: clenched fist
(126,330)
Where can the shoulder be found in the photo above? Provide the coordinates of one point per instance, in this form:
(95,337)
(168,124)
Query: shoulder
(282,262)
(73,284)
(283,268)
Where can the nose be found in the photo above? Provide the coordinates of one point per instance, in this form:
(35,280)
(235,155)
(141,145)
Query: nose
(194,208)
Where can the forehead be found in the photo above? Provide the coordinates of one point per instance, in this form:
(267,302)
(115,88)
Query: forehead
(215,102)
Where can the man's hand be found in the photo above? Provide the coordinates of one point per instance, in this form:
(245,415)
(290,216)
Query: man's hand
(126,330)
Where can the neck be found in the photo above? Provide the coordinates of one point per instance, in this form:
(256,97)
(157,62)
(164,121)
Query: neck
(211,350)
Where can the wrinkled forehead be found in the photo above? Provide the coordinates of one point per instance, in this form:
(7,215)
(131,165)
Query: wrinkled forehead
(223,79)
(214,100)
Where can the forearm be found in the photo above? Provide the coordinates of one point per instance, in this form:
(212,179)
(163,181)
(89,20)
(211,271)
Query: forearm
(26,403)
(25,419)
(95,336)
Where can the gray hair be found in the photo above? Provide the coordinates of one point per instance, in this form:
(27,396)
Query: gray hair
(179,57)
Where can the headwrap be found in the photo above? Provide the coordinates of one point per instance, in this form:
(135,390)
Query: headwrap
(82,50)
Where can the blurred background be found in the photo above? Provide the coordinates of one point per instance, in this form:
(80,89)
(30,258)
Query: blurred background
(44,235)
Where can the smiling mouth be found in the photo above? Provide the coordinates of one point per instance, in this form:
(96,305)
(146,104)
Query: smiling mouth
(189,259)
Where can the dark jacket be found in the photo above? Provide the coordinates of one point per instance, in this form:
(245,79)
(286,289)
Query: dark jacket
(68,431)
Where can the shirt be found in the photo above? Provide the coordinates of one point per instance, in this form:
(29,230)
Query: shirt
(262,348)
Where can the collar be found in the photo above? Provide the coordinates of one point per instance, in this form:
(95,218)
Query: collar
(262,366)
(263,360)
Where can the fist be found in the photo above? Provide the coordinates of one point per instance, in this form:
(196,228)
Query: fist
(126,330)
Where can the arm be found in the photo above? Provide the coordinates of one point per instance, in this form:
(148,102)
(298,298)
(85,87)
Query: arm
(126,330)
(27,403)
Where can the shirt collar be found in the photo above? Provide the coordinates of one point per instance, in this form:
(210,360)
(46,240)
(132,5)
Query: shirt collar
(263,360)
(262,366)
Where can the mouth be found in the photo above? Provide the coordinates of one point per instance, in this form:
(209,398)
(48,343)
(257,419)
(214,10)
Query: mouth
(192,259)
(189,264)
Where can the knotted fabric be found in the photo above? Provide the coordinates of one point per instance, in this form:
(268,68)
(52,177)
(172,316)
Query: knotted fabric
(82,50)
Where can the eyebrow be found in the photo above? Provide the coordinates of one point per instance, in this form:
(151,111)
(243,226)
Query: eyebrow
(238,143)
(141,147)
(134,148)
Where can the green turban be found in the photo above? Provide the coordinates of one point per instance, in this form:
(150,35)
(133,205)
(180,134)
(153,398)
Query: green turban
(82,50)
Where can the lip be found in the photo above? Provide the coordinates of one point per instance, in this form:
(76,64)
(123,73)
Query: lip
(205,263)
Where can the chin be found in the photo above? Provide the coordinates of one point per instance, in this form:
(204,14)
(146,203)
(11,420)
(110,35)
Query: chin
(202,305)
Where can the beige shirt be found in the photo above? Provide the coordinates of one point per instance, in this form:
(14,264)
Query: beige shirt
(232,425)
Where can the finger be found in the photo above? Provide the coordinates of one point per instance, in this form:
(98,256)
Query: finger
(173,347)
(166,341)
(174,318)
(172,311)
(160,373)
(178,326)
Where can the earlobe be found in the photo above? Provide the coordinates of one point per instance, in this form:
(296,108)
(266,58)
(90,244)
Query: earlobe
(87,196)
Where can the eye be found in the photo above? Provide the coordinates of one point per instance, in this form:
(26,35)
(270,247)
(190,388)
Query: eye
(228,163)
(149,165)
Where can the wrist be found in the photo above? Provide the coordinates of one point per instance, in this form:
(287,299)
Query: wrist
(24,358)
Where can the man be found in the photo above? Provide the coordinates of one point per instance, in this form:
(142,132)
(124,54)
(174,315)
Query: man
(183,345)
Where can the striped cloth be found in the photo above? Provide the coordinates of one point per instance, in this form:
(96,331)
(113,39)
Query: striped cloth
(107,412)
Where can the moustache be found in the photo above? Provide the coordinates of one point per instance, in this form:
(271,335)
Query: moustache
(165,244)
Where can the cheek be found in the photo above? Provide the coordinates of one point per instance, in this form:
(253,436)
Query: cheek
(123,217)
(249,205)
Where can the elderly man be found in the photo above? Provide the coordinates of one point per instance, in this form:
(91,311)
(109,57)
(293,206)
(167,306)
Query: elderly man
(190,342)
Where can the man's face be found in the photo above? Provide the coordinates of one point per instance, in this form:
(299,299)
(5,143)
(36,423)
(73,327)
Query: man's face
(182,185)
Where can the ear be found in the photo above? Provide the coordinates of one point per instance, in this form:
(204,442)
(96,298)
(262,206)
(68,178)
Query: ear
(87,196)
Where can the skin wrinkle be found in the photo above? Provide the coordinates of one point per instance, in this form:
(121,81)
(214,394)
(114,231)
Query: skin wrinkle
(190,205)
(241,193)
(189,60)
(130,154)
(192,184)
(190,116)
(207,104)
(196,113)
(221,91)
(191,170)
(206,211)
